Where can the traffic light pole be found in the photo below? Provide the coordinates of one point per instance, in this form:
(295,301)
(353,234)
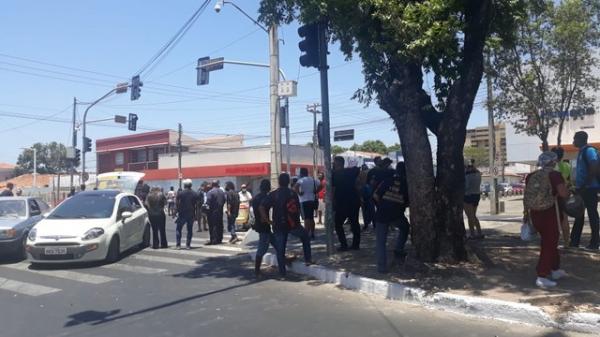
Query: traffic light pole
(74,140)
(84,129)
(275,122)
(323,67)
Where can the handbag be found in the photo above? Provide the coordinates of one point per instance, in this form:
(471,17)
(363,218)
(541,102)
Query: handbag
(527,231)
(574,206)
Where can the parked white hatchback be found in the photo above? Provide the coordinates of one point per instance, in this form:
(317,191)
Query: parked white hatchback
(90,226)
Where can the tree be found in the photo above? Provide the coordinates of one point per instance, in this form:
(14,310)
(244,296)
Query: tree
(479,154)
(394,148)
(51,159)
(397,42)
(336,150)
(548,74)
(375,146)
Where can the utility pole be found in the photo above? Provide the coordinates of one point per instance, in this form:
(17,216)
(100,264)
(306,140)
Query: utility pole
(492,144)
(74,141)
(323,67)
(179,174)
(275,123)
(314,109)
(287,136)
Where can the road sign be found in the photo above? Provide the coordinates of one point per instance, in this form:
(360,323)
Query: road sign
(85,176)
(287,89)
(120,119)
(342,135)
(70,152)
(122,87)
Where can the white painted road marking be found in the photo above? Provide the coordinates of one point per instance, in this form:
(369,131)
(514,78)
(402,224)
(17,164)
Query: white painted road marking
(64,274)
(25,288)
(134,269)
(169,260)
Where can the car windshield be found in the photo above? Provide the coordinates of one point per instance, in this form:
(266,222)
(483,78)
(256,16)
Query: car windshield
(85,206)
(13,209)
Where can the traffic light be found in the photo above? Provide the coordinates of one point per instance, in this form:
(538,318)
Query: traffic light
(87,144)
(133,118)
(136,87)
(309,45)
(77,159)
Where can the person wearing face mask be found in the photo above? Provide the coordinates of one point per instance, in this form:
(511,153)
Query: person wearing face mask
(245,201)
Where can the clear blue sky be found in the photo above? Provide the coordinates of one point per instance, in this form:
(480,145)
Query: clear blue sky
(114,39)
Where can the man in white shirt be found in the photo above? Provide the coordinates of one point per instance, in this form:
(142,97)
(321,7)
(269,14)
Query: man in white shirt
(245,199)
(306,188)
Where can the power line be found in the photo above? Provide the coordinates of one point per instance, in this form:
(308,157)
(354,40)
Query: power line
(48,117)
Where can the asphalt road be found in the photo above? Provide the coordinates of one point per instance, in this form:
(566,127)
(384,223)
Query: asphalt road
(209,292)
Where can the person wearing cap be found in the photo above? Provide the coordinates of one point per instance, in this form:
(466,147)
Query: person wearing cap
(587,186)
(546,221)
(186,211)
(245,200)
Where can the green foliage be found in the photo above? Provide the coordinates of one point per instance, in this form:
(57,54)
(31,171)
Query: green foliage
(336,149)
(375,146)
(394,148)
(550,69)
(51,159)
(479,154)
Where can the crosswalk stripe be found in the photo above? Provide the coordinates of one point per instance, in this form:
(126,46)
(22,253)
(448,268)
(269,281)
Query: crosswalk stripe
(230,248)
(134,269)
(64,274)
(188,252)
(162,259)
(25,288)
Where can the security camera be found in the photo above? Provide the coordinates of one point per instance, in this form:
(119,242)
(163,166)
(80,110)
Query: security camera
(218,6)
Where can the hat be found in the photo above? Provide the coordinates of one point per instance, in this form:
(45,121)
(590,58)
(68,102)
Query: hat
(187,182)
(547,158)
(243,185)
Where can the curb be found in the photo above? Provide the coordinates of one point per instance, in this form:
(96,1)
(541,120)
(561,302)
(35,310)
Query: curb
(467,305)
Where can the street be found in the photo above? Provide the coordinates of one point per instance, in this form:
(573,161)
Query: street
(210,292)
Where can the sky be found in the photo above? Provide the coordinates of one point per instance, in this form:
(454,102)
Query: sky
(53,51)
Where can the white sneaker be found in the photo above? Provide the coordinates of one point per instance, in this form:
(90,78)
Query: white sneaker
(558,274)
(543,282)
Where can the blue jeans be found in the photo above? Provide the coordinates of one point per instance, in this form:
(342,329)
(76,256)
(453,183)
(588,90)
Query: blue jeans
(231,225)
(302,234)
(264,240)
(189,222)
(381,232)
(280,241)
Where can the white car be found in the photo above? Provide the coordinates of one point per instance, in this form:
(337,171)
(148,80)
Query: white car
(90,226)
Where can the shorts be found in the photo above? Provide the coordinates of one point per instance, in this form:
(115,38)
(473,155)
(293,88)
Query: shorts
(472,199)
(308,209)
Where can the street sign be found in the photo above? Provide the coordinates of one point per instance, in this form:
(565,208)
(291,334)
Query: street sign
(122,88)
(287,89)
(85,176)
(342,135)
(120,119)
(70,152)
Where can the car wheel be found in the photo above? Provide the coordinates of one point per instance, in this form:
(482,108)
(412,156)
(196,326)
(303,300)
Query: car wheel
(146,238)
(113,253)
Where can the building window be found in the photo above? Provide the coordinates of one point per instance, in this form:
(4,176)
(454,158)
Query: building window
(139,156)
(119,158)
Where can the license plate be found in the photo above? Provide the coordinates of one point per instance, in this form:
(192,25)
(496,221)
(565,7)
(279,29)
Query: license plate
(55,250)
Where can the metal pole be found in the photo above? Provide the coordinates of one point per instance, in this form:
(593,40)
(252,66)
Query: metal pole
(492,145)
(84,130)
(275,123)
(326,137)
(179,175)
(74,140)
(287,136)
(35,169)
(313,109)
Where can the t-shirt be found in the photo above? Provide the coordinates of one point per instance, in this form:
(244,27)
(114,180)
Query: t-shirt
(307,189)
(6,193)
(344,182)
(392,194)
(591,156)
(278,201)
(171,196)
(259,225)
(215,199)
(321,192)
(473,183)
(377,174)
(156,203)
(565,170)
(245,198)
(233,201)
(186,203)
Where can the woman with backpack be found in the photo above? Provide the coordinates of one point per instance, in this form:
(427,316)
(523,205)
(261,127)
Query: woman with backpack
(543,188)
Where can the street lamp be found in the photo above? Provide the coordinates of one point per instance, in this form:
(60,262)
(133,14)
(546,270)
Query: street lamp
(119,89)
(273,84)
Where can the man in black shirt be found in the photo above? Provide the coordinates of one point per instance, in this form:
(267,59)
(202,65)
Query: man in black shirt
(233,208)
(391,197)
(215,200)
(186,211)
(346,202)
(262,225)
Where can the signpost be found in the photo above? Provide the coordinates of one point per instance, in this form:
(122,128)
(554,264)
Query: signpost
(343,135)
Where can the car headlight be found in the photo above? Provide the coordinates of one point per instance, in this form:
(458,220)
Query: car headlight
(8,233)
(32,235)
(92,234)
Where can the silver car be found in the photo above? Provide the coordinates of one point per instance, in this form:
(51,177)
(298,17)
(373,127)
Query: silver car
(17,216)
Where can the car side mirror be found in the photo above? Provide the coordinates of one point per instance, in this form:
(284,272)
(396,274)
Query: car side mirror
(126,215)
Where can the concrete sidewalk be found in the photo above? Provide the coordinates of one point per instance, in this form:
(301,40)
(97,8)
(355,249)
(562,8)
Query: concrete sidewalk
(497,282)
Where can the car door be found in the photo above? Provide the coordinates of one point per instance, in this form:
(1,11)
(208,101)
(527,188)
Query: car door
(127,225)
(35,214)
(139,215)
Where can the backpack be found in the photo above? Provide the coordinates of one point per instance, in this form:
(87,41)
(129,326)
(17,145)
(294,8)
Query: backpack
(287,202)
(585,160)
(538,194)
